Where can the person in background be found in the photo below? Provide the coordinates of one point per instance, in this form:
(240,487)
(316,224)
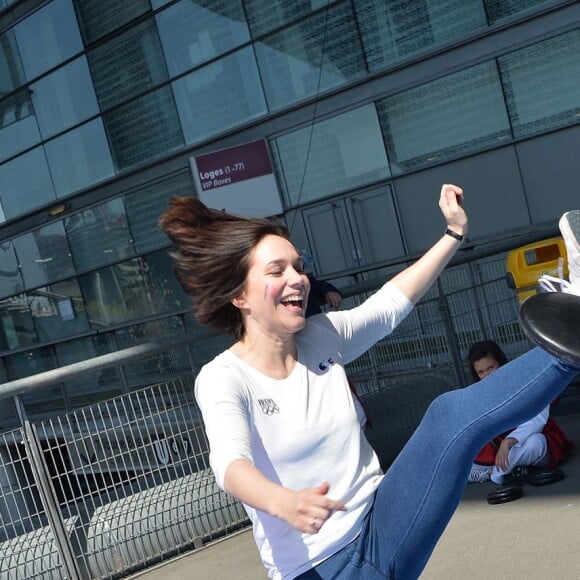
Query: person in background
(321,292)
(285,435)
(538,442)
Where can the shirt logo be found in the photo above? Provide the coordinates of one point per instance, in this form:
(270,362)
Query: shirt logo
(269,407)
(325,364)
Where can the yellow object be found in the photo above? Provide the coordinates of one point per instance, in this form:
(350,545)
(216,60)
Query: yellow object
(525,265)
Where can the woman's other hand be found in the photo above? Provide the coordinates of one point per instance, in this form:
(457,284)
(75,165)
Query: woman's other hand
(308,509)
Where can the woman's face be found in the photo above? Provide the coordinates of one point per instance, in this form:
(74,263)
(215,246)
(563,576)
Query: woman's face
(276,289)
(485,366)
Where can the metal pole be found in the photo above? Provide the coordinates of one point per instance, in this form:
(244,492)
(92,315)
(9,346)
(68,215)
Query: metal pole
(475,273)
(47,493)
(451,339)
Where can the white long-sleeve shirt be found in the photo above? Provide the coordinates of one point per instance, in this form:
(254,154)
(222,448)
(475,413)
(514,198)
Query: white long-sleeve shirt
(302,430)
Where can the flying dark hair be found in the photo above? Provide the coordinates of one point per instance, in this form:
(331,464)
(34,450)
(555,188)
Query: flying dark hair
(212,251)
(482,349)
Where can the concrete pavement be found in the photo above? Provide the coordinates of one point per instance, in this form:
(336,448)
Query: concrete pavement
(533,538)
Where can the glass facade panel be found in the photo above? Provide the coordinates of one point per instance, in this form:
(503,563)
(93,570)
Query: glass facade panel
(10,277)
(163,290)
(332,156)
(219,96)
(26,364)
(99,235)
(79,158)
(156,367)
(193,33)
(498,10)
(58,311)
(542,84)
(25,183)
(18,129)
(90,387)
(4,3)
(116,294)
(44,255)
(313,56)
(48,37)
(8,414)
(131,290)
(145,206)
(144,129)
(16,326)
(465,112)
(134,289)
(64,98)
(398,29)
(148,331)
(18,125)
(11,70)
(266,15)
(99,18)
(128,65)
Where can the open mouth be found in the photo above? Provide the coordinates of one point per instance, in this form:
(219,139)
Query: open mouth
(294,302)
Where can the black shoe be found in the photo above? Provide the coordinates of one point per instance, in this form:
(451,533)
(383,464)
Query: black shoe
(518,476)
(552,321)
(546,477)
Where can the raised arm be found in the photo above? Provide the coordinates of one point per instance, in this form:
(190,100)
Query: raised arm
(415,280)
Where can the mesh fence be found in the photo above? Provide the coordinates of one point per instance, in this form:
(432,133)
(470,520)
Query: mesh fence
(131,482)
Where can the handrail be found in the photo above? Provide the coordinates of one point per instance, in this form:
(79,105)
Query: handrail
(33,382)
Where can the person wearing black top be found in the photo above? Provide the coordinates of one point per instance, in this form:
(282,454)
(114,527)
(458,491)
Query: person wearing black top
(321,292)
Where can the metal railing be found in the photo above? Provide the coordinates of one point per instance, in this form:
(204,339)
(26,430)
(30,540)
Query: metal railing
(106,489)
(101,490)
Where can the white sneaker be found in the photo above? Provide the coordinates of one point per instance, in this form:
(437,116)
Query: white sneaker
(549,283)
(479,475)
(570,228)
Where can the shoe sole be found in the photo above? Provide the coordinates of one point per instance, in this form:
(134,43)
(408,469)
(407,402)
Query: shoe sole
(505,494)
(552,321)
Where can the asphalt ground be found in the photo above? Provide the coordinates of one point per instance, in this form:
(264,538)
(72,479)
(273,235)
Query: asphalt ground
(536,537)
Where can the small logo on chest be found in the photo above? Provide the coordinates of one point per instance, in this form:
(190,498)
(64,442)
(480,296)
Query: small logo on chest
(325,364)
(269,407)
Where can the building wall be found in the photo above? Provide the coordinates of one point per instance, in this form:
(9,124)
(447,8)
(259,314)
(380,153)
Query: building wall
(367,107)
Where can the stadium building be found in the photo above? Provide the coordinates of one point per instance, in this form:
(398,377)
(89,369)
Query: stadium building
(340,117)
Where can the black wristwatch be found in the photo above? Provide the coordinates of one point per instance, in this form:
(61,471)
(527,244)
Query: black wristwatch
(458,237)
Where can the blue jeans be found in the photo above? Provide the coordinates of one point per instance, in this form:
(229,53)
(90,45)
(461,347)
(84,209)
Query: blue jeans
(423,487)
